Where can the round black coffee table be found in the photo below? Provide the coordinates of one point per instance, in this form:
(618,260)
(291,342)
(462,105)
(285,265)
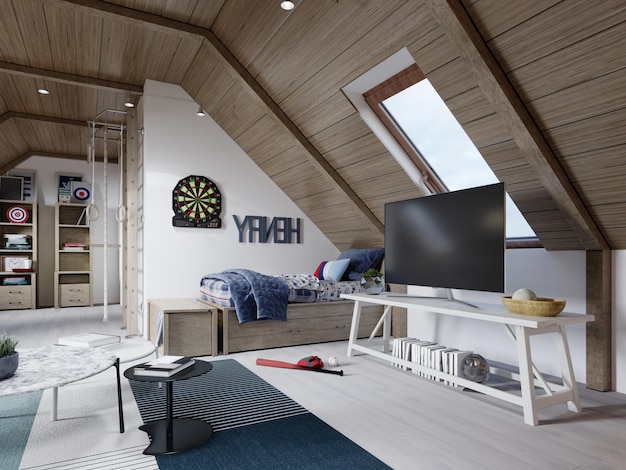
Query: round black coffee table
(171,435)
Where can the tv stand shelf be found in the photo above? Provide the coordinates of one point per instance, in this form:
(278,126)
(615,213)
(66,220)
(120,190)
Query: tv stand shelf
(518,327)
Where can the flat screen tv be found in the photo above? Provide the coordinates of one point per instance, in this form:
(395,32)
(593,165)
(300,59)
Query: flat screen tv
(453,240)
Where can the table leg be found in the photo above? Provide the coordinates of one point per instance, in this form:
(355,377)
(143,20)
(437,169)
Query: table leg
(55,401)
(119,395)
(567,370)
(354,328)
(387,328)
(172,435)
(527,381)
(169,413)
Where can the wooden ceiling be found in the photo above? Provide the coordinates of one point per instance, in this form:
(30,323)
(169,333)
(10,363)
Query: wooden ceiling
(538,86)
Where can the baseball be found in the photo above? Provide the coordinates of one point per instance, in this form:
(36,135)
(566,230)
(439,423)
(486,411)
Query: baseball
(333,362)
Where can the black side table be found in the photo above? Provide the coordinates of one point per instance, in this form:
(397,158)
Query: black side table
(171,435)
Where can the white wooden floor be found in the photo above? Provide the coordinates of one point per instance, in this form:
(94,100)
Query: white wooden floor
(407,422)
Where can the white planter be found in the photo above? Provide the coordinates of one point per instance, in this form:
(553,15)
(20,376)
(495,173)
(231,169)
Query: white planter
(372,285)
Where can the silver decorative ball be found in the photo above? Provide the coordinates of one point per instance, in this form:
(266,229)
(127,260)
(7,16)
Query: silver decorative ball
(475,368)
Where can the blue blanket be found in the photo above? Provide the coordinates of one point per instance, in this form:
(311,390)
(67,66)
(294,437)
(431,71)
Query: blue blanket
(256,296)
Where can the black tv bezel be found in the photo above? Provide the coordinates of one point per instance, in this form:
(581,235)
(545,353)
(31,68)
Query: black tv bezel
(496,282)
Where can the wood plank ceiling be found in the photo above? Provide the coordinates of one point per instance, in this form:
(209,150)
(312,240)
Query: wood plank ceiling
(537,85)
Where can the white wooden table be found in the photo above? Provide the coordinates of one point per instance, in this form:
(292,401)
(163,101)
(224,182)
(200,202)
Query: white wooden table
(518,327)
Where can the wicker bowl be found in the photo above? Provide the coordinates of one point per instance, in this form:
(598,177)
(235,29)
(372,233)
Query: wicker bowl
(542,307)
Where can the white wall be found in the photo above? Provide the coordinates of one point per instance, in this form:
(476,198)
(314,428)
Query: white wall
(177,143)
(555,274)
(619,321)
(47,196)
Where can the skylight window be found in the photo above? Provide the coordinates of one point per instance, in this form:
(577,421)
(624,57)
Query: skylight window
(429,127)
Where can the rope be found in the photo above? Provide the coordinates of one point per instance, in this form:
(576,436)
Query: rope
(120,212)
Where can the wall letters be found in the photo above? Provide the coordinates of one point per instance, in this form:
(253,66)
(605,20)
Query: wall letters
(280,229)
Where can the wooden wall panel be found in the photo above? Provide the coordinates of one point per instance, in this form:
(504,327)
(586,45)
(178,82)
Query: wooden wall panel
(403,26)
(12,138)
(495,17)
(565,106)
(576,64)
(263,140)
(603,131)
(487,131)
(544,35)
(336,108)
(469,106)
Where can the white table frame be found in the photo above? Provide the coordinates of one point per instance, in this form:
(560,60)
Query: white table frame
(518,327)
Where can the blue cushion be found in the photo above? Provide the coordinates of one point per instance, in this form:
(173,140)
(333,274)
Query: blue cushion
(361,259)
(331,270)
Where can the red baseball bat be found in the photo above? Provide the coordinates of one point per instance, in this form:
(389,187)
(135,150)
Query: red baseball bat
(289,365)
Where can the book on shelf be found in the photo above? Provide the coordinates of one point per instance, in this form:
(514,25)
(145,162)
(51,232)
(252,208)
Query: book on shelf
(397,349)
(417,354)
(73,246)
(457,363)
(89,340)
(165,366)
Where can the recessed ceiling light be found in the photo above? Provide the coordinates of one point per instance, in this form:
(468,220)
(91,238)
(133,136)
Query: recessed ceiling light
(42,90)
(287,5)
(201,112)
(129,104)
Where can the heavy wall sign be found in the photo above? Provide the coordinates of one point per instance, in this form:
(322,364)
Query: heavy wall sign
(263,230)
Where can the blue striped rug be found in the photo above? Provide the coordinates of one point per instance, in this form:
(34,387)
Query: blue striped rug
(255,425)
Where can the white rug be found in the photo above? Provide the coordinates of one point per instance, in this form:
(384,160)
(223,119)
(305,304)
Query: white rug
(86,434)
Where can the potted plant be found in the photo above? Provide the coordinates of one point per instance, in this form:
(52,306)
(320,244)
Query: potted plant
(9,357)
(372,281)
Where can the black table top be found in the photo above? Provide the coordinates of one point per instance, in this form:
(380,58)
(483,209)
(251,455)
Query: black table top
(199,368)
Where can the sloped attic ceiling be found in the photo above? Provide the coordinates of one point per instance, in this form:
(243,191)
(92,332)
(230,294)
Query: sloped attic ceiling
(538,87)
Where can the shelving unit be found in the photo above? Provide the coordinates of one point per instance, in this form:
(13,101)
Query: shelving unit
(18,290)
(73,263)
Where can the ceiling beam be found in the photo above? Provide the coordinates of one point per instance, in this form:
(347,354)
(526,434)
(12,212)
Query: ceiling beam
(70,79)
(25,156)
(38,117)
(247,81)
(492,80)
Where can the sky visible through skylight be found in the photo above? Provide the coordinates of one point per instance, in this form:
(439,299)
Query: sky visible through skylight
(434,131)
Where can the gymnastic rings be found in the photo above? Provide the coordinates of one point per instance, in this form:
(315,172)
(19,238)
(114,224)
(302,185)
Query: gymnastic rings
(92,212)
(120,213)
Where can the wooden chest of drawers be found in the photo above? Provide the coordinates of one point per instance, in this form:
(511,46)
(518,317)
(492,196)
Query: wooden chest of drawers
(74,295)
(15,297)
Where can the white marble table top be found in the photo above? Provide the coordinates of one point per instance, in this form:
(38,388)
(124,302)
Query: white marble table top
(54,366)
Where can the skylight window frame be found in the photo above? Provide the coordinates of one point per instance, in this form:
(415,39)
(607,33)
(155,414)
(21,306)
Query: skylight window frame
(375,97)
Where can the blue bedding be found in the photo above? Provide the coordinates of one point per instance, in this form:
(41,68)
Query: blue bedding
(256,296)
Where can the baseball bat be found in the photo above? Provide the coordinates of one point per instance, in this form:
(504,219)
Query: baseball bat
(289,365)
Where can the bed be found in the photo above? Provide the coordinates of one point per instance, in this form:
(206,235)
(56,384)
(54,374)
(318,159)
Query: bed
(258,311)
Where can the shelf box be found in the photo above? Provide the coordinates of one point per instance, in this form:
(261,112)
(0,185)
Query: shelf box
(74,295)
(73,214)
(73,278)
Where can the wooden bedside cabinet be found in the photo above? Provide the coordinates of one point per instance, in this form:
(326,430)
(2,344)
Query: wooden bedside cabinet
(189,327)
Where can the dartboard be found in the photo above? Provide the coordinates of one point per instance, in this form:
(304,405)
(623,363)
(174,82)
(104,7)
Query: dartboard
(17,214)
(196,202)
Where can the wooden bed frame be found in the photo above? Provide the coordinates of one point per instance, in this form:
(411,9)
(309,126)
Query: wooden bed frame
(307,323)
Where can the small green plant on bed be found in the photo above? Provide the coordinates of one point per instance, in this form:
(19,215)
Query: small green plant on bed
(7,345)
(372,272)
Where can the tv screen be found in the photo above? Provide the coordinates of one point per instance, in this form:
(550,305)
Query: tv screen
(454,240)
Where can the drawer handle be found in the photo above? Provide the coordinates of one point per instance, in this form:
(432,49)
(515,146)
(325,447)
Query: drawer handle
(15,292)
